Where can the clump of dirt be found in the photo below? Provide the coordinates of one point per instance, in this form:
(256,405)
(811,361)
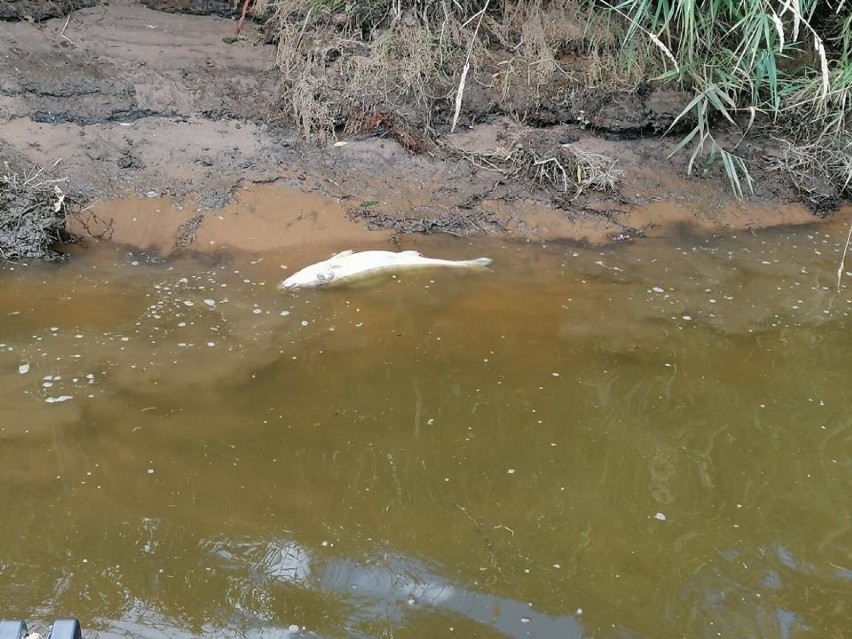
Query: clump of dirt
(188,231)
(33,212)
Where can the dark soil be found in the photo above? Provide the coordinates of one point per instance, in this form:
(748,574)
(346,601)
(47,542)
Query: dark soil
(162,98)
(39,10)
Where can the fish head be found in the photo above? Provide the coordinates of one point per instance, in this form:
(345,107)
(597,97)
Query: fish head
(315,276)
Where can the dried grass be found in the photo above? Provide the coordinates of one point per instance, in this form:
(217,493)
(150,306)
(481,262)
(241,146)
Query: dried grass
(418,59)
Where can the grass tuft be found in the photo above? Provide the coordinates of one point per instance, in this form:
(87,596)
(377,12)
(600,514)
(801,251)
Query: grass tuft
(789,61)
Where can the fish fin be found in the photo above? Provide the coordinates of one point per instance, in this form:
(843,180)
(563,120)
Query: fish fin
(412,253)
(343,253)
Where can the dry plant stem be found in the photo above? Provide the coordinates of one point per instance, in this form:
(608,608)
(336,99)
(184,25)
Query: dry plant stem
(243,16)
(62,33)
(304,26)
(655,39)
(460,91)
(558,177)
(843,257)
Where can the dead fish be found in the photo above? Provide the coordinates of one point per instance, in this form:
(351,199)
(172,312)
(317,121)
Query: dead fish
(348,267)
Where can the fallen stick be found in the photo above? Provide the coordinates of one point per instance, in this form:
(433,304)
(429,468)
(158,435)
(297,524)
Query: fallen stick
(460,91)
(243,16)
(843,257)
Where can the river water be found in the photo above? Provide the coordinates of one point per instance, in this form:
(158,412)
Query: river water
(652,440)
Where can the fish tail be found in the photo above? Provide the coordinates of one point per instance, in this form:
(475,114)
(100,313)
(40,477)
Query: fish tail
(481,262)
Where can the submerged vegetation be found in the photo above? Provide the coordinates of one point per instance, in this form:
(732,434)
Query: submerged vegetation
(417,67)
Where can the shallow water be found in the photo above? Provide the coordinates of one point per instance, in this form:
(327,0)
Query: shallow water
(644,441)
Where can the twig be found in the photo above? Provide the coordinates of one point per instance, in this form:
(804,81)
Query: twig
(843,257)
(418,408)
(460,91)
(304,26)
(62,33)
(243,16)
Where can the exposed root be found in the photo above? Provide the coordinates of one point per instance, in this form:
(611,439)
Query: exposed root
(94,226)
(390,124)
(558,169)
(33,211)
(821,171)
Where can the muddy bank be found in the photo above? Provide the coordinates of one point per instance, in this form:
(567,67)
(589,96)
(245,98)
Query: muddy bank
(131,102)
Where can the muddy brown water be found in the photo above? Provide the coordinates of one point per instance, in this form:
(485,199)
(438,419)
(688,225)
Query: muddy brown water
(643,441)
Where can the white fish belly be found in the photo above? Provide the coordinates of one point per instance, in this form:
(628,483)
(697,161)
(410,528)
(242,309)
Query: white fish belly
(370,264)
(349,267)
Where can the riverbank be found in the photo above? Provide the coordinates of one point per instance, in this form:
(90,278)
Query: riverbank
(135,104)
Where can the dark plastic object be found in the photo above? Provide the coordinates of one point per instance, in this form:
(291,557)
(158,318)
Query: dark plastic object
(62,629)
